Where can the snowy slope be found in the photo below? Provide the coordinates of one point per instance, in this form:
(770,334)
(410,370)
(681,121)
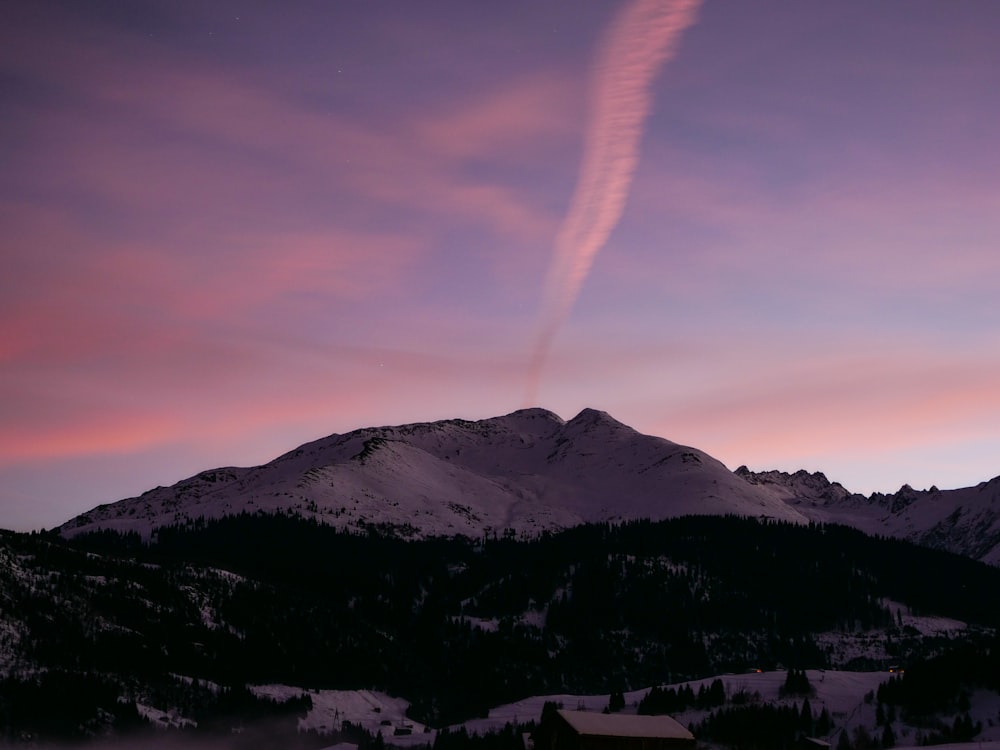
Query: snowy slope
(531,471)
(841,693)
(527,471)
(965,521)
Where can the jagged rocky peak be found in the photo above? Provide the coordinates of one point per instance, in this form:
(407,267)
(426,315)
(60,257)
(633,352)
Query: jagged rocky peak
(903,497)
(816,479)
(800,485)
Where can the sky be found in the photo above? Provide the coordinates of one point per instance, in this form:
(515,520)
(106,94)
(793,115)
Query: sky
(229,228)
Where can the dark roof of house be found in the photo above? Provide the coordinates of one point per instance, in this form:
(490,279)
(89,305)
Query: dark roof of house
(625,725)
(816,742)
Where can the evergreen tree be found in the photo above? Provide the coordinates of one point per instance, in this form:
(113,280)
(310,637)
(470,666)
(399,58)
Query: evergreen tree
(823,723)
(888,737)
(616,701)
(716,693)
(806,717)
(796,683)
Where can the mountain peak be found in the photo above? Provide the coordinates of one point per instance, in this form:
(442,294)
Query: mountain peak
(594,415)
(595,418)
(535,413)
(531,471)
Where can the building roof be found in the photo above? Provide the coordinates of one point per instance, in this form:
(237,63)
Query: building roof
(625,725)
(816,742)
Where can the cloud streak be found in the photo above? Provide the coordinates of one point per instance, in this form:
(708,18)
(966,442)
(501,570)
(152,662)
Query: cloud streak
(641,39)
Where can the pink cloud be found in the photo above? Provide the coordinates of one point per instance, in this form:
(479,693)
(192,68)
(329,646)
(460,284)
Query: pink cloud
(240,275)
(521,119)
(698,231)
(845,403)
(797,409)
(218,145)
(117,434)
(210,238)
(238,396)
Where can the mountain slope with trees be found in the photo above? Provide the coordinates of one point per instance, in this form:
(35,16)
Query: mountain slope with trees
(457,625)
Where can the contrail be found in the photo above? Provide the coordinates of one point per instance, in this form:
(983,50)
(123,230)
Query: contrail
(640,40)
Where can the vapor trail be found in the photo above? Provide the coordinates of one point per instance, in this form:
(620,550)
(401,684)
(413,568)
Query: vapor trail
(639,41)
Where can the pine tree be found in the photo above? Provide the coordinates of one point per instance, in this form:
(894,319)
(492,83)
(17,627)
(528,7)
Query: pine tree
(862,740)
(716,693)
(823,723)
(796,683)
(805,717)
(888,737)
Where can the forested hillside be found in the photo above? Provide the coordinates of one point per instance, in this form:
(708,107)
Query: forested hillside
(457,626)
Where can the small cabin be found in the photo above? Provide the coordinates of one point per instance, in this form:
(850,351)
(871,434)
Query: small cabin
(586,730)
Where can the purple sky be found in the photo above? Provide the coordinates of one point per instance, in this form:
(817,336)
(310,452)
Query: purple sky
(231,227)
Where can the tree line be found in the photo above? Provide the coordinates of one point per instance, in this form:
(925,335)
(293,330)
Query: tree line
(459,625)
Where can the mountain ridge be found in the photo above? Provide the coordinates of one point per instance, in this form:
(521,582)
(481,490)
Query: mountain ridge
(965,520)
(530,471)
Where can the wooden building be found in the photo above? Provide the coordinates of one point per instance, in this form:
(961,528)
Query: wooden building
(586,730)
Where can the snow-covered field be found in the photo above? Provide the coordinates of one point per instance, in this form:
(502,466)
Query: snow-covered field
(163,719)
(842,694)
(374,711)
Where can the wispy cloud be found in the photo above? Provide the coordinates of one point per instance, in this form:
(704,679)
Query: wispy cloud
(171,224)
(640,40)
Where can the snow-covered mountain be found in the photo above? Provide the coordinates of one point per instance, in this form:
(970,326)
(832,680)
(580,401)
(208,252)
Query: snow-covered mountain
(965,521)
(531,471)
(528,471)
